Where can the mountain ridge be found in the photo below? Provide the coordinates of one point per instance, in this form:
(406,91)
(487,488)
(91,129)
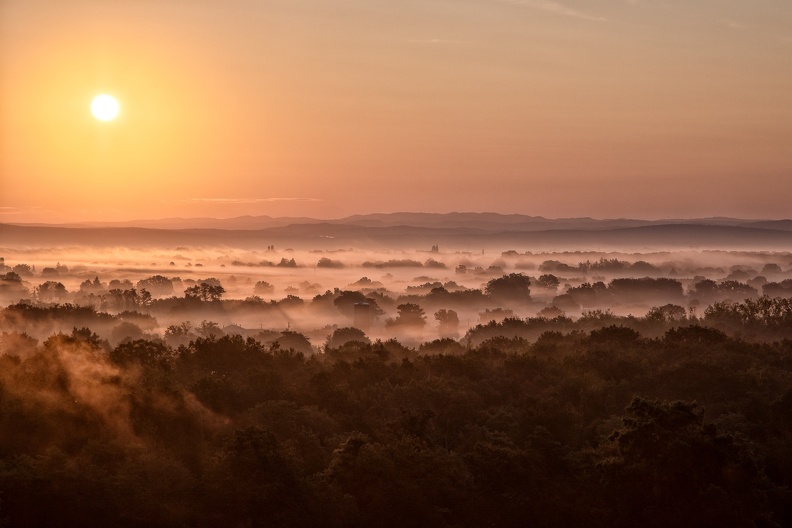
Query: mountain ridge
(476,220)
(329,235)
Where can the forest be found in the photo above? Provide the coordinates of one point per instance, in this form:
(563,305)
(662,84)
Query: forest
(594,393)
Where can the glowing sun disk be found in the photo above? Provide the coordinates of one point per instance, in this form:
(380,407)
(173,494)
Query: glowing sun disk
(104,107)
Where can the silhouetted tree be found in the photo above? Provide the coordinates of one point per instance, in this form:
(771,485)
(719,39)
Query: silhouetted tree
(296,341)
(449,323)
(514,287)
(157,285)
(209,329)
(325,262)
(95,286)
(51,291)
(24,270)
(264,288)
(668,313)
(342,336)
(675,470)
(409,315)
(548,282)
(287,263)
(205,292)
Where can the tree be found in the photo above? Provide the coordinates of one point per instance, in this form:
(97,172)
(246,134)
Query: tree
(667,313)
(675,470)
(11,277)
(264,288)
(158,285)
(551,312)
(253,480)
(209,329)
(179,334)
(126,331)
(144,298)
(342,336)
(449,323)
(121,300)
(204,292)
(325,262)
(346,300)
(124,284)
(296,341)
(287,263)
(737,291)
(409,314)
(646,289)
(514,287)
(151,355)
(771,269)
(92,286)
(548,282)
(23,269)
(51,291)
(11,285)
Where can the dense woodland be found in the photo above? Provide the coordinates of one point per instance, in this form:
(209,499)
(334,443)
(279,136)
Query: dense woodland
(680,416)
(589,423)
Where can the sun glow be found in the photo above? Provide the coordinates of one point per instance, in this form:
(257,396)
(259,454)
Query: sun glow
(104,107)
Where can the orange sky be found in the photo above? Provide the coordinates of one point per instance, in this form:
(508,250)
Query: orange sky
(604,108)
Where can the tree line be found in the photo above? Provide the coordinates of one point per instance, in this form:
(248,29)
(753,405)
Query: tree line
(602,425)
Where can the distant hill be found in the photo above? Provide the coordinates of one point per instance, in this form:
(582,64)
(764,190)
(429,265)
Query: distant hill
(239,222)
(481,221)
(781,225)
(458,231)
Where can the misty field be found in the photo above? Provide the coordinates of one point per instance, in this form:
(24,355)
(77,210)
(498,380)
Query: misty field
(314,291)
(228,387)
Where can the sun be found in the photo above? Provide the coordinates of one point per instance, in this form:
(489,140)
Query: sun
(104,107)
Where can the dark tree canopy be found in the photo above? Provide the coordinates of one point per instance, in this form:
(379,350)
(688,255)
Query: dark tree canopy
(157,285)
(205,292)
(511,288)
(409,315)
(342,336)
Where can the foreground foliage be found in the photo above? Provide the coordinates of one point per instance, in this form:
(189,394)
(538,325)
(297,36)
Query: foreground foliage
(598,428)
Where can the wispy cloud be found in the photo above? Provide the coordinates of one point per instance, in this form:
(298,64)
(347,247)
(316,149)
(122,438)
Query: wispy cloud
(247,200)
(7,210)
(556,8)
(735,25)
(437,41)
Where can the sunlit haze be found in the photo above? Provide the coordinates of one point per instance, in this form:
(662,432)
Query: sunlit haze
(603,108)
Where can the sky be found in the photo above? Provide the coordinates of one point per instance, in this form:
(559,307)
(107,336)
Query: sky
(327,108)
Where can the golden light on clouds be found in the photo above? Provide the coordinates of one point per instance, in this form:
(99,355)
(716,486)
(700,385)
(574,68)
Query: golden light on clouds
(104,107)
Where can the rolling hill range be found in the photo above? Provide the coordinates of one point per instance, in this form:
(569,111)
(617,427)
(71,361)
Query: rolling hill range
(453,231)
(479,221)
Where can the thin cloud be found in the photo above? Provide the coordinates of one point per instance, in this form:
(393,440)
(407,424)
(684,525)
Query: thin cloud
(436,41)
(735,25)
(556,8)
(247,200)
(8,210)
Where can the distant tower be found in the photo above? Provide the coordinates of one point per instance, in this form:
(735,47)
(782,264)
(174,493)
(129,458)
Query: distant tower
(363,316)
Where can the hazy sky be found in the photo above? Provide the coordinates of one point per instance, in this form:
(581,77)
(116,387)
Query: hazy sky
(605,108)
